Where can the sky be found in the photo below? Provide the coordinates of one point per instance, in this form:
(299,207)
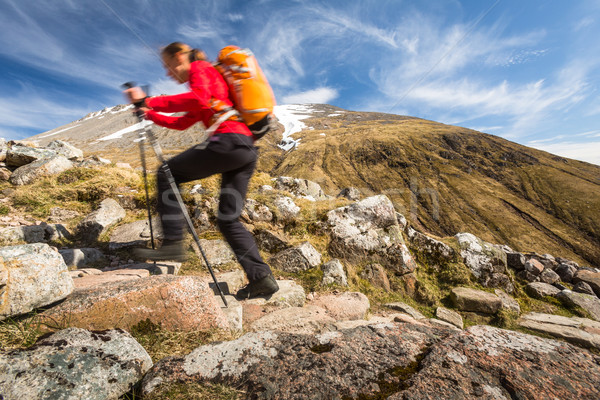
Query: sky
(525,70)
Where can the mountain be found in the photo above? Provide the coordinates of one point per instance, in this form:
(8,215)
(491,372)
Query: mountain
(445,179)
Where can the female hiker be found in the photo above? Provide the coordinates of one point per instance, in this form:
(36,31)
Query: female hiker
(230,152)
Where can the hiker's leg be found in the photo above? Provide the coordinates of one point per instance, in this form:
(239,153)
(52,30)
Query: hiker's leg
(188,166)
(233,194)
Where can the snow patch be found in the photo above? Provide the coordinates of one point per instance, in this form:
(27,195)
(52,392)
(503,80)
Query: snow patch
(291,116)
(57,132)
(133,128)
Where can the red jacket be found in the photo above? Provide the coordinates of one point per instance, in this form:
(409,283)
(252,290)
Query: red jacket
(206,83)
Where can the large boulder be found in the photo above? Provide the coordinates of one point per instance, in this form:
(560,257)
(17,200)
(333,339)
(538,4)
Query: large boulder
(74,364)
(296,259)
(31,276)
(344,306)
(333,272)
(81,257)
(590,277)
(429,249)
(217,252)
(490,363)
(580,331)
(589,303)
(34,233)
(369,230)
(486,261)
(176,303)
(65,149)
(467,299)
(349,363)
(108,214)
(18,155)
(135,233)
(300,188)
(31,172)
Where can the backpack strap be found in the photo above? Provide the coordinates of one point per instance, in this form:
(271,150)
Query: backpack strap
(223,116)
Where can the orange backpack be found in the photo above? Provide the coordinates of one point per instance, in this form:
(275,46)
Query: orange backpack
(249,89)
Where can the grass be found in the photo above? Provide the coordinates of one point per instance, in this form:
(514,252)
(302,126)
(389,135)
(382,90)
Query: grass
(20,332)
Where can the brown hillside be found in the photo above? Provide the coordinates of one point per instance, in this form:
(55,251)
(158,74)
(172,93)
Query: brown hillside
(449,179)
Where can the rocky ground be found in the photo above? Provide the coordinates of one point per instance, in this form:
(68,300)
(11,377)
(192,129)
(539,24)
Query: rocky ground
(369,307)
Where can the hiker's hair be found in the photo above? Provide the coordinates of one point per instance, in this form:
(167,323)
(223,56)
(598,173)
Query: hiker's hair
(177,47)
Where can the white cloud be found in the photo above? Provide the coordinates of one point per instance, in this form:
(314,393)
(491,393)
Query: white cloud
(321,95)
(585,151)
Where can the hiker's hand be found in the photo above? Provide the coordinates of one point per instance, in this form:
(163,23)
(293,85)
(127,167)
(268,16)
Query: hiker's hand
(134,95)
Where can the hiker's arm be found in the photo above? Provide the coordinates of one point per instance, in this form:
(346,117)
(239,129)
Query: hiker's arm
(190,101)
(179,123)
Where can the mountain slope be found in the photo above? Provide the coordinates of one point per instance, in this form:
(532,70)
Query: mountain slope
(444,178)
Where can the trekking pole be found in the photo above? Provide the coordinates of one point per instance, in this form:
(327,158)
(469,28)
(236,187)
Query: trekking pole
(145,173)
(167,171)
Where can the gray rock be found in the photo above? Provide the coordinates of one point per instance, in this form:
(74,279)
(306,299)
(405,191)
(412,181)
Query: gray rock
(65,149)
(257,212)
(135,234)
(375,273)
(539,290)
(486,261)
(330,365)
(290,294)
(296,259)
(467,299)
(350,193)
(31,276)
(405,308)
(449,316)
(566,272)
(155,268)
(369,230)
(31,172)
(3,149)
(484,362)
(508,303)
(583,287)
(592,278)
(81,257)
(516,261)
(333,272)
(300,188)
(591,304)
(18,155)
(270,241)
(549,276)
(34,233)
(287,210)
(108,214)
(432,250)
(580,331)
(217,251)
(74,364)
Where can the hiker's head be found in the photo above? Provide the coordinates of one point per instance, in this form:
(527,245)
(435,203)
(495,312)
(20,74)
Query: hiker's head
(177,58)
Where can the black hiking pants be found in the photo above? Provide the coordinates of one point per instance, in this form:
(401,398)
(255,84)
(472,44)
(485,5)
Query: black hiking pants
(234,157)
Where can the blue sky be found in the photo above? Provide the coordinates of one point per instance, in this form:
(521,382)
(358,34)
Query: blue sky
(528,71)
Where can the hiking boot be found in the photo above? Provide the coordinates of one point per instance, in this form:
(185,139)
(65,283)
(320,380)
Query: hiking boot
(262,287)
(170,250)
